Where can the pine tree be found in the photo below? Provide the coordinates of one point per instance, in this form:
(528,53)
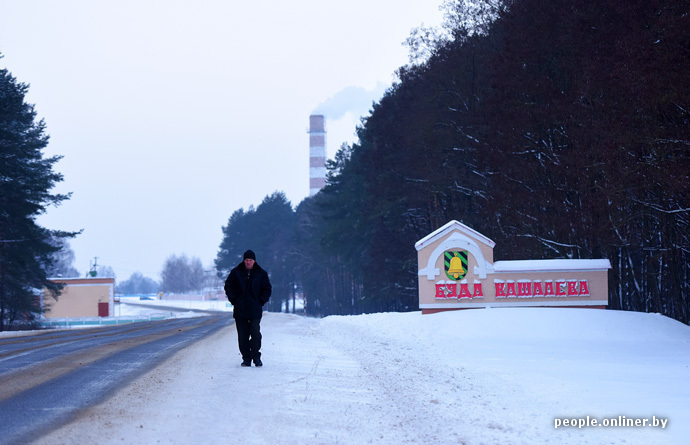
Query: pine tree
(268,230)
(558,129)
(26,178)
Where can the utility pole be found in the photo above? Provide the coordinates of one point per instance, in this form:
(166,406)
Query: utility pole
(93,271)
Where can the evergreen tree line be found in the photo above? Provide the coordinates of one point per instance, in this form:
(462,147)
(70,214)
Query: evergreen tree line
(27,250)
(559,129)
(268,231)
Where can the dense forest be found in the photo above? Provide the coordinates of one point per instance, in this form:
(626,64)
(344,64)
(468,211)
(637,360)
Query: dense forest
(558,129)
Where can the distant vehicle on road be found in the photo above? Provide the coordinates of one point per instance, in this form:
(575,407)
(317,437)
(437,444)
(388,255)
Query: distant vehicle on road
(145,298)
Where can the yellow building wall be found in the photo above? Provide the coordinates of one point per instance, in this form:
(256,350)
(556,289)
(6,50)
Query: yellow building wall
(80,298)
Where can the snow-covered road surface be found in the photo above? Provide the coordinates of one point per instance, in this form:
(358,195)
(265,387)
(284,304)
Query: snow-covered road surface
(498,376)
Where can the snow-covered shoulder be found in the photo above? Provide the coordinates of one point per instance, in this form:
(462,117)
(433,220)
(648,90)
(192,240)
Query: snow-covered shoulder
(494,376)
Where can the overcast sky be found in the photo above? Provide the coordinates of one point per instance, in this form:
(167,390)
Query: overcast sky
(171,115)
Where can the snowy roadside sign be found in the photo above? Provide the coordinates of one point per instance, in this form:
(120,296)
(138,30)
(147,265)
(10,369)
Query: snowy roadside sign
(456,271)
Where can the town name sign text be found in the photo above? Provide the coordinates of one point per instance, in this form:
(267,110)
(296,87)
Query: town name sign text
(457,271)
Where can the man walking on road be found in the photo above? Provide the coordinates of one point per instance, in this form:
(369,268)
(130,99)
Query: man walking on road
(248,289)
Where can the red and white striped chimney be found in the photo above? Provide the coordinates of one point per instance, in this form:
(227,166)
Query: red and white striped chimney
(317,153)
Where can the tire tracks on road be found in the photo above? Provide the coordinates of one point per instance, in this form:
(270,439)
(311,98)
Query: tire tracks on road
(44,387)
(18,380)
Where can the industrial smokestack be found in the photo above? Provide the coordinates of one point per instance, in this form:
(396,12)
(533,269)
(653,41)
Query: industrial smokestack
(317,153)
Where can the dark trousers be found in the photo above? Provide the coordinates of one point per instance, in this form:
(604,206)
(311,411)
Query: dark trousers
(249,337)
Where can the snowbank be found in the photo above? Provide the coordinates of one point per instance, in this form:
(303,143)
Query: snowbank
(477,377)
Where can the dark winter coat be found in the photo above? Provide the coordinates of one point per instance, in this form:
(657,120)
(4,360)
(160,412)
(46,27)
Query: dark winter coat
(248,290)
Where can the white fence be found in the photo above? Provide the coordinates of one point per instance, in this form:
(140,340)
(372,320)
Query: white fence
(101,321)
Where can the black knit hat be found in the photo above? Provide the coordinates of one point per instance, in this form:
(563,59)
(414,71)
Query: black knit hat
(249,254)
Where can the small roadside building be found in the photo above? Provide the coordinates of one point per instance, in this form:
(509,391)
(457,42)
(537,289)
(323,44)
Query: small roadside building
(456,270)
(81,297)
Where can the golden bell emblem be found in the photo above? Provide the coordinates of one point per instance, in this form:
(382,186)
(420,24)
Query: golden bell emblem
(455,269)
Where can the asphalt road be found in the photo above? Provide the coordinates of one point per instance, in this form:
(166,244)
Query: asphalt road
(47,379)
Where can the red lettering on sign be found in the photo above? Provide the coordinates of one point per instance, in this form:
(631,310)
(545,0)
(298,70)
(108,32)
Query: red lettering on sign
(538,290)
(548,289)
(510,289)
(464,291)
(441,291)
(478,291)
(524,289)
(560,288)
(573,290)
(500,289)
(584,288)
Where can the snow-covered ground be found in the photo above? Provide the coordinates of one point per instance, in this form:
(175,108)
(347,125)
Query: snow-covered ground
(131,306)
(485,376)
